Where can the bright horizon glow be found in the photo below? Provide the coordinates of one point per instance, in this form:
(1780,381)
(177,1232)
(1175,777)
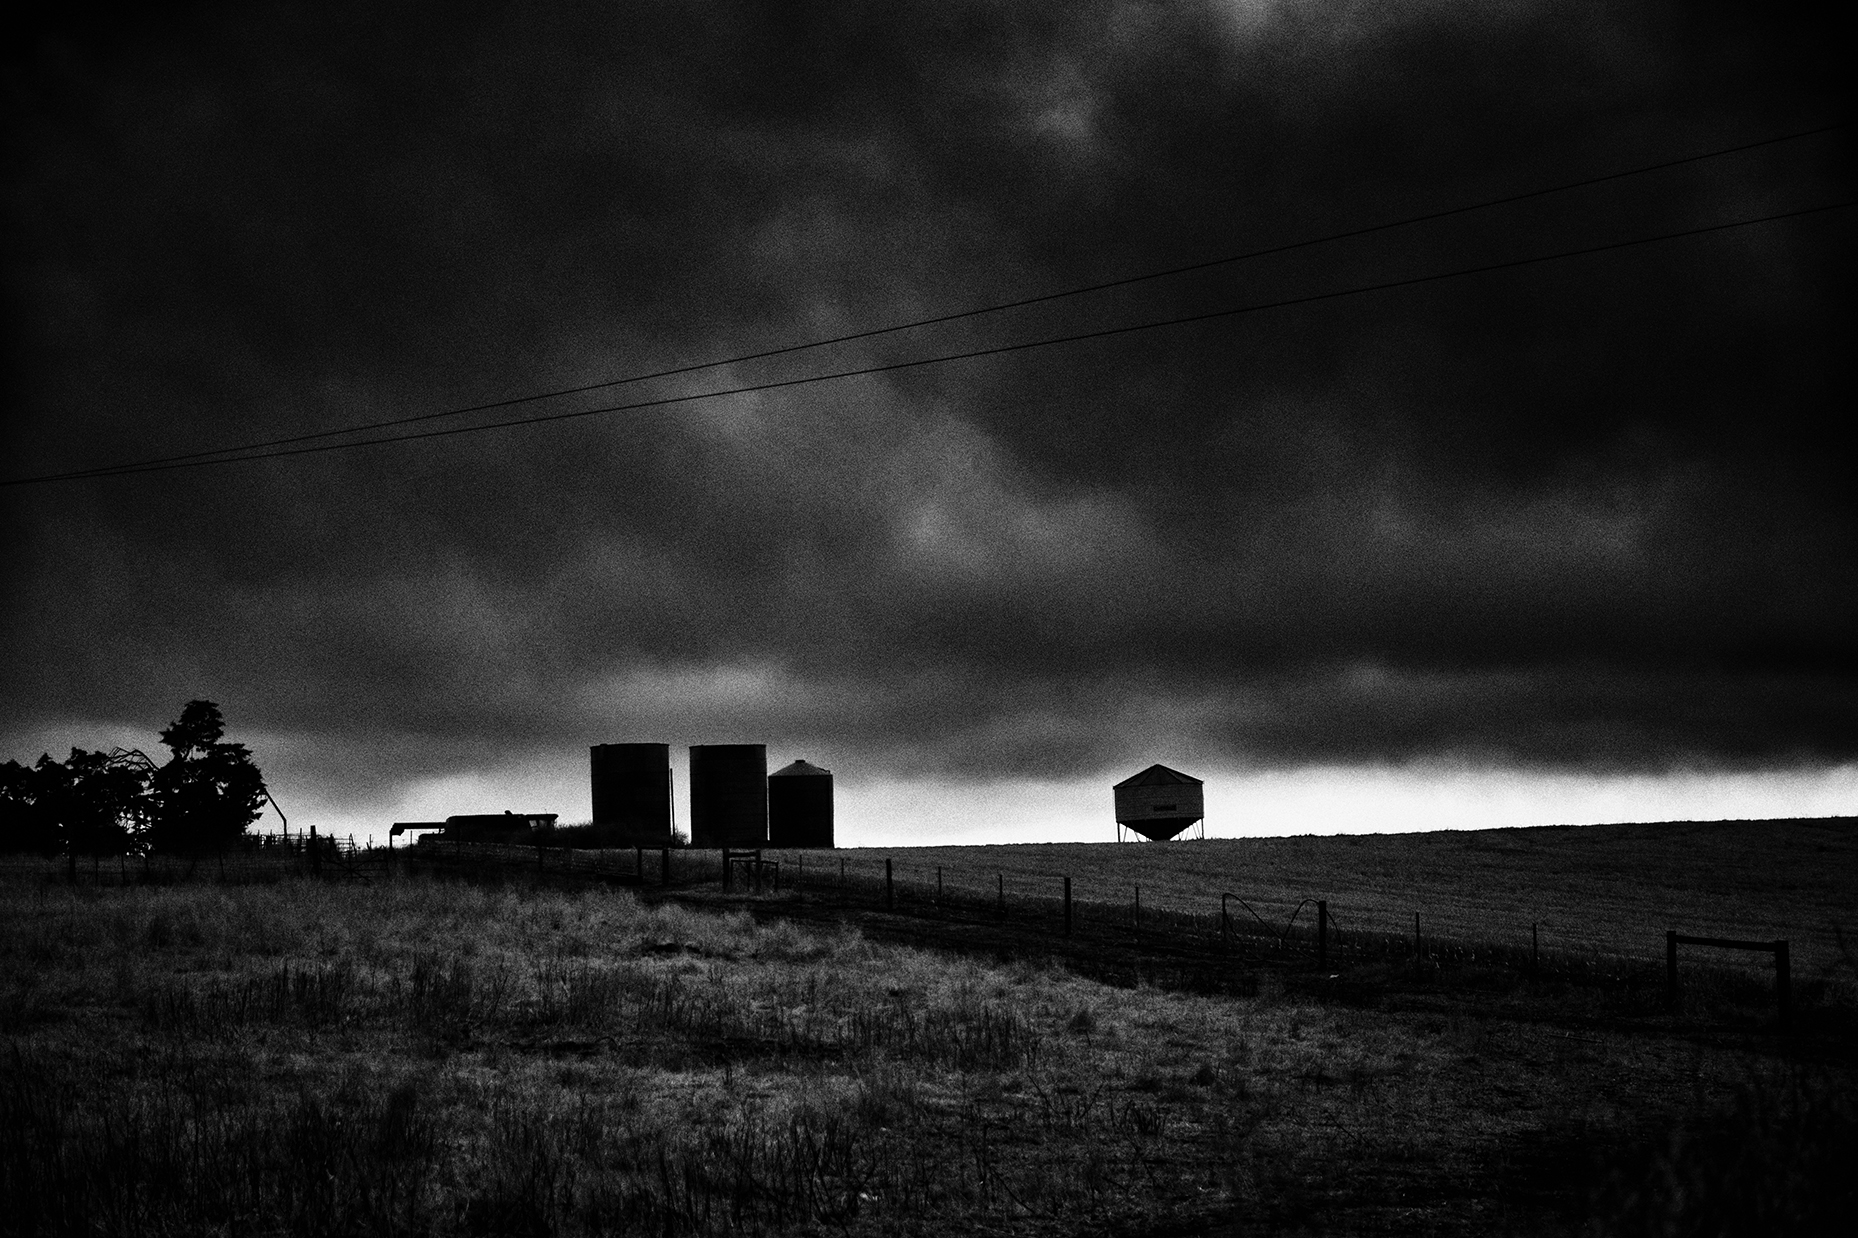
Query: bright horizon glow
(1240,803)
(884,811)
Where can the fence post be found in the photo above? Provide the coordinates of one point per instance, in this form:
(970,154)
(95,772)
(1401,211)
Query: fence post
(1225,921)
(316,855)
(1322,935)
(1067,906)
(890,889)
(1670,968)
(1783,982)
(1138,909)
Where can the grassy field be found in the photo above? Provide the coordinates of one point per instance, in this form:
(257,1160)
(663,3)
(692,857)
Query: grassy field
(1614,889)
(432,1057)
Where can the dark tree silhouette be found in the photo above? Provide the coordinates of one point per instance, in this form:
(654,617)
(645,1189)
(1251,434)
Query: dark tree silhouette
(107,803)
(101,800)
(208,792)
(94,803)
(27,825)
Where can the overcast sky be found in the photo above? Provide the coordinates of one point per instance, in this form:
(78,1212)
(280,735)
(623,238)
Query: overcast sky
(1565,525)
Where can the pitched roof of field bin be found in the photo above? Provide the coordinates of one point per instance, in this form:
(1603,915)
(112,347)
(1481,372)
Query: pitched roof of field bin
(800,768)
(1158,775)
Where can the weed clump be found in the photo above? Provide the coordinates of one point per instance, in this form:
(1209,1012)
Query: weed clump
(1779,1163)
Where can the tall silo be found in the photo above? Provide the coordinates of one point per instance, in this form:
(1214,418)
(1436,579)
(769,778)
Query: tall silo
(728,795)
(632,791)
(800,806)
(1159,802)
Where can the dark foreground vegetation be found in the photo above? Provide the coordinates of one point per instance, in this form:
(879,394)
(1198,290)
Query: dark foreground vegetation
(427,1056)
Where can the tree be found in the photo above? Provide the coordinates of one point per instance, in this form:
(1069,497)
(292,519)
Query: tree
(208,792)
(106,803)
(95,803)
(26,822)
(99,801)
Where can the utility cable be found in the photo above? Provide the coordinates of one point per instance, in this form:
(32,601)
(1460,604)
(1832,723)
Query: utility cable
(955,316)
(969,354)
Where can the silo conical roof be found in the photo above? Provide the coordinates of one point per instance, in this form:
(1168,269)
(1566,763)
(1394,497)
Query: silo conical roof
(800,768)
(1159,775)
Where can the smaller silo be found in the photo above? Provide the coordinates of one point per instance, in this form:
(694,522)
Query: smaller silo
(800,806)
(632,792)
(728,795)
(1159,802)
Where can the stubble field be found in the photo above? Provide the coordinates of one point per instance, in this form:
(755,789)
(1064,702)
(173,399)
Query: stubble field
(1607,890)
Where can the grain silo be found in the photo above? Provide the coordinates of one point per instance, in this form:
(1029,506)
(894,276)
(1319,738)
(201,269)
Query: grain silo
(728,795)
(800,806)
(1159,803)
(632,792)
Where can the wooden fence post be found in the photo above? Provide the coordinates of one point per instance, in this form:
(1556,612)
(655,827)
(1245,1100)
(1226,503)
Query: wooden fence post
(1670,968)
(1067,906)
(1783,969)
(890,889)
(1322,935)
(1783,981)
(1138,909)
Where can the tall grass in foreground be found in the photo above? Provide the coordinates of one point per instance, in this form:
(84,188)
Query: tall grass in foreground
(430,1059)
(424,1058)
(1779,1163)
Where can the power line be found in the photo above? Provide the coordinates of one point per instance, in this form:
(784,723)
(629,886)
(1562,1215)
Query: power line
(955,316)
(994,350)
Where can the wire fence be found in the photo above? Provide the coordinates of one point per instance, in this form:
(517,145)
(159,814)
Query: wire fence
(1212,918)
(1089,907)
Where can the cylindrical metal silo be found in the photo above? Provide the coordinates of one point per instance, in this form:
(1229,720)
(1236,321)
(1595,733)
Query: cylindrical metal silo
(632,791)
(728,795)
(800,806)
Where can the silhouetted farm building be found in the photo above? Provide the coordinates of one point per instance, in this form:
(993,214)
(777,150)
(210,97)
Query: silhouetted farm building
(728,795)
(800,806)
(734,803)
(1159,803)
(632,793)
(487,827)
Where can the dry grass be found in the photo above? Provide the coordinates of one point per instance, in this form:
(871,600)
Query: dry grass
(425,1057)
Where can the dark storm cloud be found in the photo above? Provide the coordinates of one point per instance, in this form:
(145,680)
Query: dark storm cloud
(1587,514)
